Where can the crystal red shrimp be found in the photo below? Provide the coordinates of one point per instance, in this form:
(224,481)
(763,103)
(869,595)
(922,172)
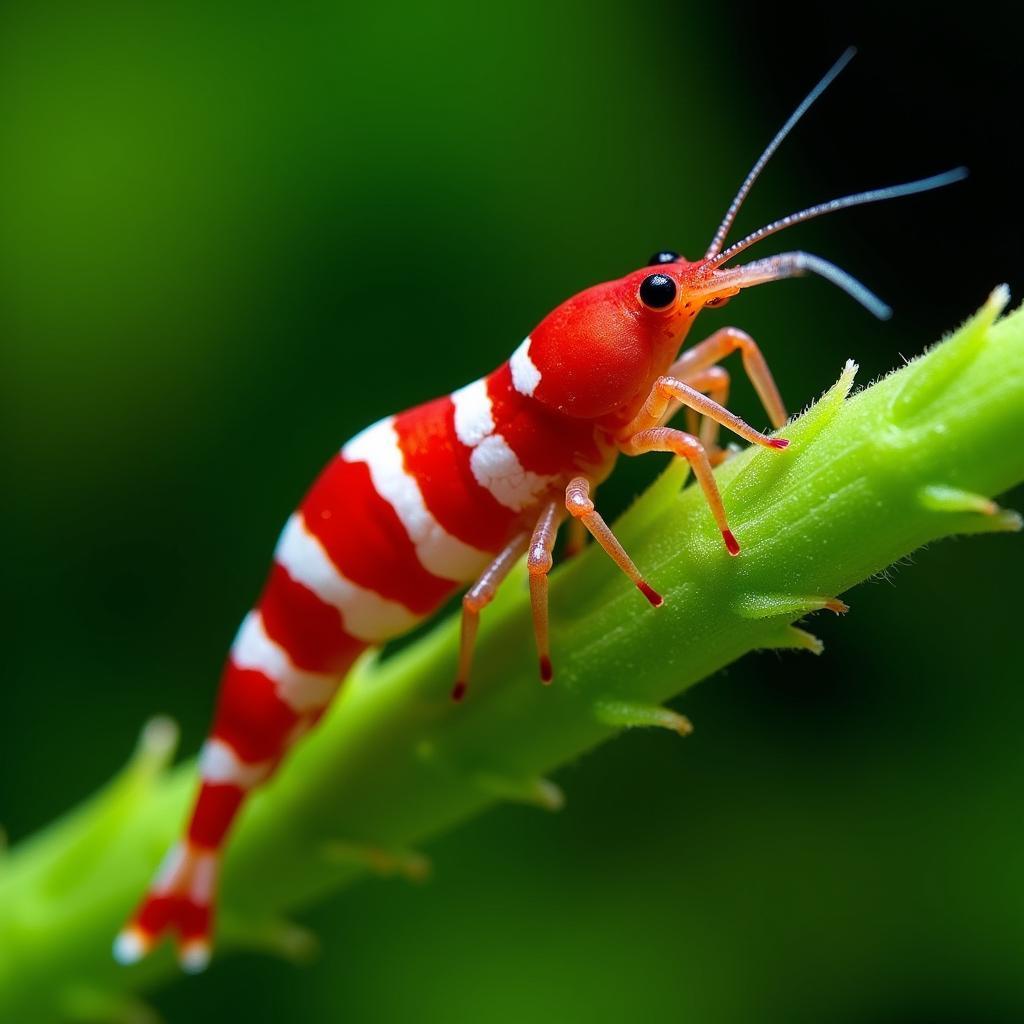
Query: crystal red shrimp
(455,491)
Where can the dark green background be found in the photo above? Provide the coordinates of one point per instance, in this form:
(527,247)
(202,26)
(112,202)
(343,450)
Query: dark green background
(230,238)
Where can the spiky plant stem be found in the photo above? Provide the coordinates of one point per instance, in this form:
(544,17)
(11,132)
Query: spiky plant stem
(866,480)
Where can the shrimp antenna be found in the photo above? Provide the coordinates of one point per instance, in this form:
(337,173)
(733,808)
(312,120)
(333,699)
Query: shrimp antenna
(857,199)
(723,229)
(797,264)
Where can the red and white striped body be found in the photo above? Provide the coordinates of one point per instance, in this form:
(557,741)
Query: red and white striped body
(410,510)
(423,502)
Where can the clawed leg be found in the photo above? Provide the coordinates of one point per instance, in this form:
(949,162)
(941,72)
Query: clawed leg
(644,434)
(580,507)
(713,382)
(669,390)
(721,344)
(478,597)
(667,439)
(539,562)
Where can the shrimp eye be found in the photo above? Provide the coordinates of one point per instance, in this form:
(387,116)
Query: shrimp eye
(657,291)
(667,256)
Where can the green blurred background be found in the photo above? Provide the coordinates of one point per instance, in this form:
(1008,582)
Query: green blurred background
(203,216)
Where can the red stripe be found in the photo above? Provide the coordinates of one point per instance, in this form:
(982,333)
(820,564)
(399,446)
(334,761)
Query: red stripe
(544,441)
(365,539)
(251,718)
(440,463)
(189,919)
(310,630)
(215,809)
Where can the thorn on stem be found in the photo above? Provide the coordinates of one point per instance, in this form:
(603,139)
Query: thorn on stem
(623,714)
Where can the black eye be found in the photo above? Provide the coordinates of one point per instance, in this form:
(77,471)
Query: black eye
(657,291)
(662,257)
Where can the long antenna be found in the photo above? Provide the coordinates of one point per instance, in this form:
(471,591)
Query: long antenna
(723,229)
(857,199)
(796,264)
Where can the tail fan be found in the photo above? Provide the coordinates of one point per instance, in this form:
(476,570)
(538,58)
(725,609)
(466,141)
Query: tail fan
(180,901)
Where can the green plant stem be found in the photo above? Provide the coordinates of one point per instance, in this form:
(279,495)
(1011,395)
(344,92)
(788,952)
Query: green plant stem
(866,481)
